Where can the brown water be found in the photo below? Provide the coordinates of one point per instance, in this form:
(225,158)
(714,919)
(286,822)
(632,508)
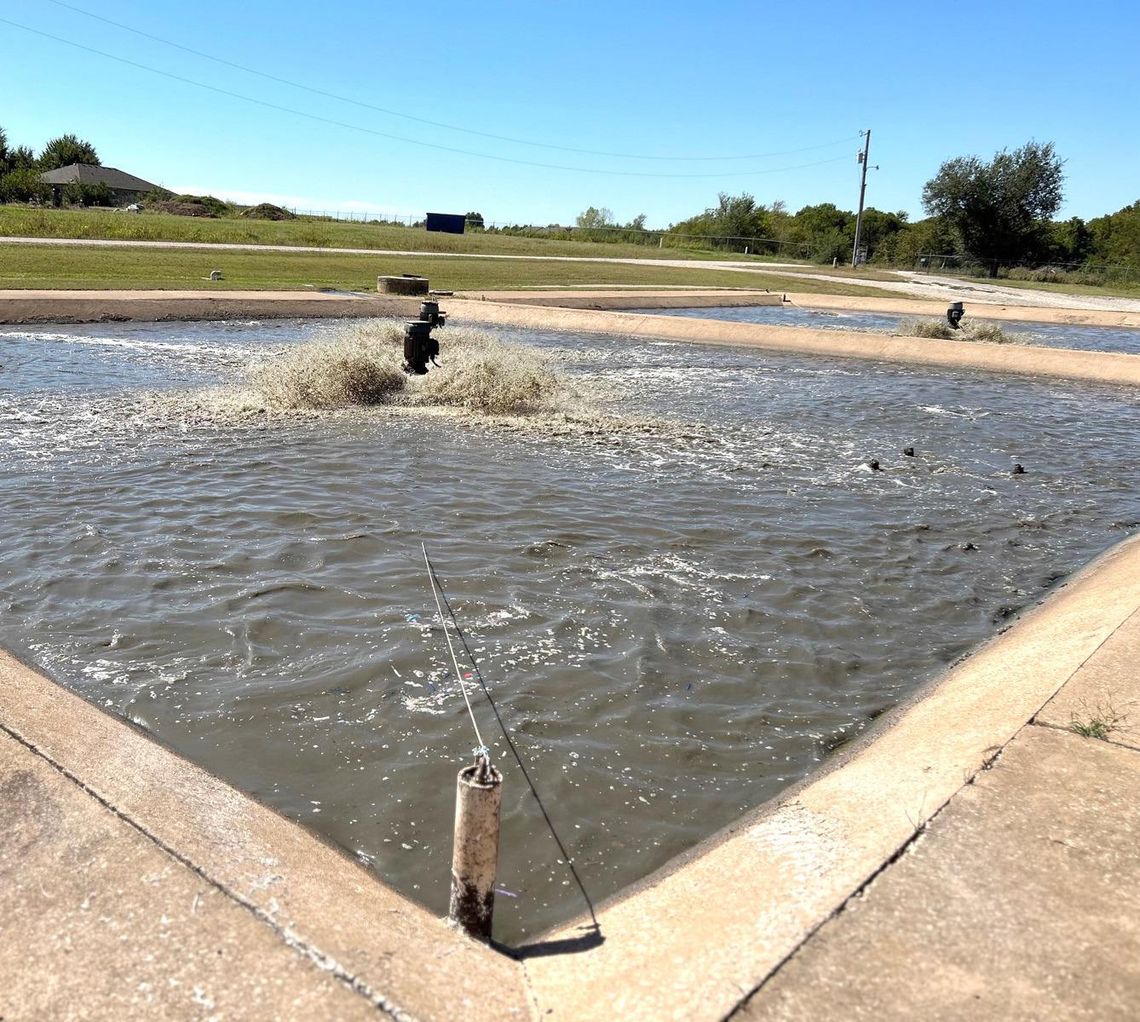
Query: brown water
(686,588)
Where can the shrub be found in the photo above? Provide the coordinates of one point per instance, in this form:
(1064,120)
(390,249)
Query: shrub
(79,194)
(24,186)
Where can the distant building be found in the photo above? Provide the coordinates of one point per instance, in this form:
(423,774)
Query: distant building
(125,187)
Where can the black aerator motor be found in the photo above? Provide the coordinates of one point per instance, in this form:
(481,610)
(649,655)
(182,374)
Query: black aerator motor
(955,313)
(419,345)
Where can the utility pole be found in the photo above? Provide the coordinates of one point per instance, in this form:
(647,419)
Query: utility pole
(862,157)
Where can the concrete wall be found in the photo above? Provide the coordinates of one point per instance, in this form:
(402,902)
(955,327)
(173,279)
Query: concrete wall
(1021,360)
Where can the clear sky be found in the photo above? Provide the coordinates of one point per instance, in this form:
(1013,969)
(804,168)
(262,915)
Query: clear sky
(543,87)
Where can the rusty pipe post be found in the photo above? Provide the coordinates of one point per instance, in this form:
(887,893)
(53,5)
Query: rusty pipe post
(475,851)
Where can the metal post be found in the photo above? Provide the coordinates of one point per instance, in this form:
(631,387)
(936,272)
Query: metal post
(475,852)
(862,192)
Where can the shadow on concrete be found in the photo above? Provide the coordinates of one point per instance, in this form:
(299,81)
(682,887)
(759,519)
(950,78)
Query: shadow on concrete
(591,937)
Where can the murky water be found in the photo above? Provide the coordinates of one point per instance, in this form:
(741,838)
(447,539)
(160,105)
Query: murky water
(680,612)
(1052,335)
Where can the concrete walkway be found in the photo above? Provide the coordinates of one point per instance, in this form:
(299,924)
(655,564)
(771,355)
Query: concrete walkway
(973,858)
(1020,900)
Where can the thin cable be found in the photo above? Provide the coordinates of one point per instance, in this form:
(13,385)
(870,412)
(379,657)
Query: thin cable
(396,138)
(425,120)
(482,748)
(438,586)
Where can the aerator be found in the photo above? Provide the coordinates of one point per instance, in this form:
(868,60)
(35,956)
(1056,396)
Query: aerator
(419,345)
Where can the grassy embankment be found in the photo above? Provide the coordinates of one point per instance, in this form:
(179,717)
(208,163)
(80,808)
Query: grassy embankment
(98,268)
(95,224)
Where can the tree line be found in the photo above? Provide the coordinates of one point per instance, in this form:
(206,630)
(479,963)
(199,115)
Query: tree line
(21,167)
(992,216)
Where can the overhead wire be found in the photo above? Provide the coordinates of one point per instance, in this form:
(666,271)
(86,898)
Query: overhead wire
(424,120)
(397,138)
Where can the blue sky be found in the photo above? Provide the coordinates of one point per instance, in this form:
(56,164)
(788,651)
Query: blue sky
(651,81)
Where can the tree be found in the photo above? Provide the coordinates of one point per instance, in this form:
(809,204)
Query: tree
(1071,241)
(594,217)
(66,150)
(927,238)
(474,221)
(590,222)
(825,231)
(735,222)
(5,155)
(739,216)
(1001,210)
(21,158)
(1116,237)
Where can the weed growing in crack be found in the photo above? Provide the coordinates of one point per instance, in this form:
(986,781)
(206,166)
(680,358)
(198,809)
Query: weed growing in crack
(1099,722)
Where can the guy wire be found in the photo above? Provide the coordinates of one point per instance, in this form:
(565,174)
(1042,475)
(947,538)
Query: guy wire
(437,587)
(482,747)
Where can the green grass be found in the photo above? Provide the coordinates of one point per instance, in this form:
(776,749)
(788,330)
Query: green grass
(98,268)
(1099,722)
(94,224)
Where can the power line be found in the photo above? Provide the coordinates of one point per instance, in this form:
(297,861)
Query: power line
(424,120)
(396,138)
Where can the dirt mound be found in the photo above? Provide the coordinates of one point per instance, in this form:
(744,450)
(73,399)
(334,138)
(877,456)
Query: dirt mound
(176,208)
(191,205)
(267,211)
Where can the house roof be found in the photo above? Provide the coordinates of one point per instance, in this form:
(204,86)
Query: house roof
(85,173)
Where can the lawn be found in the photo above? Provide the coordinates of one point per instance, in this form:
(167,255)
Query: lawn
(97,224)
(97,268)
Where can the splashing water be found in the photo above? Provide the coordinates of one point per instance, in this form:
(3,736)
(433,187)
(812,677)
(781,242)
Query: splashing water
(332,374)
(983,332)
(364,367)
